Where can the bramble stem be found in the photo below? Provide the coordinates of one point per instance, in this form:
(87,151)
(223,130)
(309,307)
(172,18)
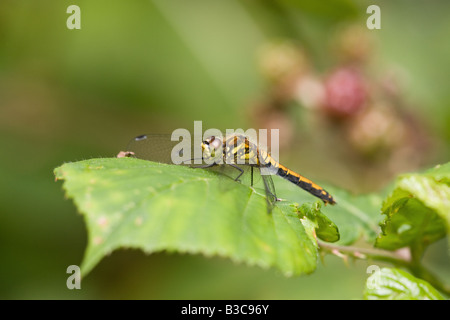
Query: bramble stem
(396,257)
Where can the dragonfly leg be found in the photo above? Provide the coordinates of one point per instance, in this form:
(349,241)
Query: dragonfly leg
(205,166)
(240,169)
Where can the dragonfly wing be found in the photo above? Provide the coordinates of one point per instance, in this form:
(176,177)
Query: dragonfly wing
(160,148)
(269,187)
(246,175)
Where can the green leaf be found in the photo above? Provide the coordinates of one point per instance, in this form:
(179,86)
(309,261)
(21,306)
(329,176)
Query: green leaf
(417,212)
(325,228)
(432,188)
(396,284)
(133,203)
(356,216)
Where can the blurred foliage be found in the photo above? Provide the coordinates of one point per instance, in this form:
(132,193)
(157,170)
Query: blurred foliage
(153,66)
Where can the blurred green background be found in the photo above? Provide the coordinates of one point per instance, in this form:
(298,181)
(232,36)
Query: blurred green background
(152,66)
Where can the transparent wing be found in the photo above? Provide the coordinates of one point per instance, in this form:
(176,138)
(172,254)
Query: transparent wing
(269,187)
(161,148)
(252,176)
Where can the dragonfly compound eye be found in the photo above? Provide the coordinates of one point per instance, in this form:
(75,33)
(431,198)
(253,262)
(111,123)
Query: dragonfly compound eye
(215,143)
(212,147)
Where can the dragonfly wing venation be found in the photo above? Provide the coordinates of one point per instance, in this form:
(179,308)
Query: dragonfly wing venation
(161,148)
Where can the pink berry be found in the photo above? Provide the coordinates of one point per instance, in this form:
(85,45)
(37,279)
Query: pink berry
(345,93)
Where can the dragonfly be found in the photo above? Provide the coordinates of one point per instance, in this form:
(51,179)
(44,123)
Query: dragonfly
(236,151)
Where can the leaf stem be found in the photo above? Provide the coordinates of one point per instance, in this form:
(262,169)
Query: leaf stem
(398,257)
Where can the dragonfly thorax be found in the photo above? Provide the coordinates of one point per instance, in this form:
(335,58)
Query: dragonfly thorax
(233,149)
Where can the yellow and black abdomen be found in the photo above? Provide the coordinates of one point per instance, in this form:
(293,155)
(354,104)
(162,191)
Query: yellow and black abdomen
(303,183)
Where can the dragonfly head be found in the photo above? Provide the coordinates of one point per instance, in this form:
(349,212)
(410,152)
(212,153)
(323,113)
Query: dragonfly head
(212,148)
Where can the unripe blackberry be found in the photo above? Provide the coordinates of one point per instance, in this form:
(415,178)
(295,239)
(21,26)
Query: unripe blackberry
(281,60)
